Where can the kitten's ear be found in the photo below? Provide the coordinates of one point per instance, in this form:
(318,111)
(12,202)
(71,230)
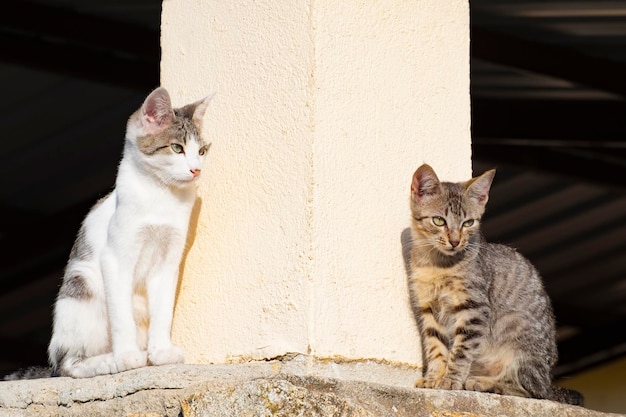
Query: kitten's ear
(200,108)
(195,111)
(425,182)
(478,187)
(156,111)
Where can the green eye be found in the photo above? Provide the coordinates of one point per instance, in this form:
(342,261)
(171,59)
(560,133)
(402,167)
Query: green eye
(468,223)
(438,221)
(177,147)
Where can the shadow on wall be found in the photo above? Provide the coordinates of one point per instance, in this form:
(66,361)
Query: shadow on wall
(407,243)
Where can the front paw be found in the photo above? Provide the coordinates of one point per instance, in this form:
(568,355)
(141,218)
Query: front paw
(130,360)
(425,383)
(450,384)
(166,355)
(483,384)
(438,383)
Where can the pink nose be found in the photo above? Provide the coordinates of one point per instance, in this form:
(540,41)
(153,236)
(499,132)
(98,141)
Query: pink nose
(195,172)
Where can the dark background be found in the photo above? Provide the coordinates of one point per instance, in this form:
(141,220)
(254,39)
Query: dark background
(548,81)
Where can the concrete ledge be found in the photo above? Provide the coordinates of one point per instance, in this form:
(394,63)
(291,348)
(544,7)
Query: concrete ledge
(293,385)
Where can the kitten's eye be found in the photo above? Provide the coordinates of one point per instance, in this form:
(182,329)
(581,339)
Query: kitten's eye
(202,151)
(468,223)
(177,147)
(438,221)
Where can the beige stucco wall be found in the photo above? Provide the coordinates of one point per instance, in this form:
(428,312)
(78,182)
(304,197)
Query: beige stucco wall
(323,111)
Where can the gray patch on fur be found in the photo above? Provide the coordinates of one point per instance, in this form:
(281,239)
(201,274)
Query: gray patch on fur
(60,357)
(155,247)
(159,236)
(74,286)
(180,131)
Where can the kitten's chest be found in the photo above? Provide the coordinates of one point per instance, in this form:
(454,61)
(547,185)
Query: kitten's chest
(138,212)
(439,289)
(149,204)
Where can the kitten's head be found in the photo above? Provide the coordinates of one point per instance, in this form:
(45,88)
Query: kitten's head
(167,142)
(446,215)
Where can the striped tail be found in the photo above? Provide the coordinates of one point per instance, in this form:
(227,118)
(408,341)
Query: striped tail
(31,372)
(567,396)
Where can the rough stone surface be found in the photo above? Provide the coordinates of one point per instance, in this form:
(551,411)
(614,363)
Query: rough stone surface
(290,386)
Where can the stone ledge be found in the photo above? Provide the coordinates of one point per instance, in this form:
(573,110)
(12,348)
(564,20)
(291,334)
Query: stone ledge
(296,385)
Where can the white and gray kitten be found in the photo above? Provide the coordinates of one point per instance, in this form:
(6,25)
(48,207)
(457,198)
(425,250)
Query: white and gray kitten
(115,305)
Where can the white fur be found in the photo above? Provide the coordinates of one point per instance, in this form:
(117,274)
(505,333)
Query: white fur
(137,236)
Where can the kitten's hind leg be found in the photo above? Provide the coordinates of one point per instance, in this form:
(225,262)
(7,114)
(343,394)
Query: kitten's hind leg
(483,384)
(87,367)
(535,378)
(104,364)
(493,385)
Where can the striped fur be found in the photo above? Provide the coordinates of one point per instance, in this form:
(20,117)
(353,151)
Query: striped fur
(485,319)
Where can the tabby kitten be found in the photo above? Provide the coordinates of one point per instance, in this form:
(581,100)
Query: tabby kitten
(115,305)
(485,320)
